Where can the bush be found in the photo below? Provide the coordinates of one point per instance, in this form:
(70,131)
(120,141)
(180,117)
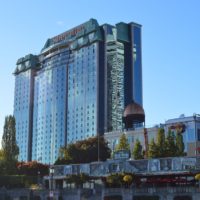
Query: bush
(118,180)
(197,177)
(32,168)
(17,181)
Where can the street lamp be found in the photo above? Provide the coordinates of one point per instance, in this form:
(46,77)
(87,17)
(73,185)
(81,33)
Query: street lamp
(98,149)
(51,173)
(38,173)
(196,132)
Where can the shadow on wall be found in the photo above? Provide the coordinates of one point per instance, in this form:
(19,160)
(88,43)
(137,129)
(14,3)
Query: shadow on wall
(146,198)
(182,198)
(114,197)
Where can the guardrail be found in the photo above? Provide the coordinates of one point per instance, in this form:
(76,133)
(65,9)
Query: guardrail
(151,190)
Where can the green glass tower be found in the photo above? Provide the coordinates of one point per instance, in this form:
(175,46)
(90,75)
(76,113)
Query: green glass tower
(76,87)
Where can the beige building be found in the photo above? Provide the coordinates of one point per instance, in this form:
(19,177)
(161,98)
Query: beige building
(190,130)
(132,136)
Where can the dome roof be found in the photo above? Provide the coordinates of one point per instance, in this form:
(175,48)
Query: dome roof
(133,109)
(133,114)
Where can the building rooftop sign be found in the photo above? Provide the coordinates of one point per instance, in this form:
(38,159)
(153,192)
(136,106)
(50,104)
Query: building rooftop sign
(72,34)
(69,34)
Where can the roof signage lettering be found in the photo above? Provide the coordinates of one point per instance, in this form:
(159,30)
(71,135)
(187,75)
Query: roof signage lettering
(68,34)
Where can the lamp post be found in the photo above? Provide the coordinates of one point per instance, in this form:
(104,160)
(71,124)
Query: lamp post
(38,173)
(196,132)
(51,173)
(98,148)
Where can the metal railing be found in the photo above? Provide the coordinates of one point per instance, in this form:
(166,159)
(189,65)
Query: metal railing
(152,190)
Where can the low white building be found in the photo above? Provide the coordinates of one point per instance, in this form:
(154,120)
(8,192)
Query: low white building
(190,130)
(132,136)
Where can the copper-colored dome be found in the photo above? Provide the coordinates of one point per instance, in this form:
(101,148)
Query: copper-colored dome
(133,113)
(133,109)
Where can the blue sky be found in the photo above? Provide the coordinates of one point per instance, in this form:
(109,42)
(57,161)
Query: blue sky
(170,40)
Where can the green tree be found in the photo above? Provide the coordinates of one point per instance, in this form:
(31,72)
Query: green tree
(114,180)
(180,144)
(32,168)
(69,154)
(123,143)
(137,150)
(117,180)
(1,154)
(78,179)
(171,148)
(153,150)
(160,143)
(10,149)
(64,153)
(9,145)
(84,151)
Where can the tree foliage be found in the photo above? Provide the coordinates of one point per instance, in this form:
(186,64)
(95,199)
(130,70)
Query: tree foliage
(180,144)
(9,145)
(114,180)
(10,150)
(128,180)
(123,143)
(197,177)
(169,146)
(84,151)
(153,150)
(32,168)
(137,151)
(77,179)
(17,181)
(119,179)
(161,145)
(1,155)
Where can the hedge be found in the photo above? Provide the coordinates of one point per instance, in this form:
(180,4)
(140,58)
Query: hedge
(17,181)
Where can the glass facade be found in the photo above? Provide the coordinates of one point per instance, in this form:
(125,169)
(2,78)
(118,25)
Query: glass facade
(115,79)
(76,88)
(24,80)
(82,94)
(49,108)
(21,111)
(137,64)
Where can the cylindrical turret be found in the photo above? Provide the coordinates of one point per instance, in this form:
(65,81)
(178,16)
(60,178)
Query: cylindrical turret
(133,114)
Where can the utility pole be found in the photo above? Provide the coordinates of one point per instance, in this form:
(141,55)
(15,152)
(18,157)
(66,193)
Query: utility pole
(98,148)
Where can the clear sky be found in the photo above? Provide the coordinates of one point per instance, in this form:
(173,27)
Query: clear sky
(170,40)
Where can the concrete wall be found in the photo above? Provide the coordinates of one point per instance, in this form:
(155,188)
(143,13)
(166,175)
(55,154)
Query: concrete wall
(126,194)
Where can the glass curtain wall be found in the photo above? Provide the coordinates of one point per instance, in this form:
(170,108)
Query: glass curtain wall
(21,112)
(82,94)
(137,64)
(115,79)
(49,108)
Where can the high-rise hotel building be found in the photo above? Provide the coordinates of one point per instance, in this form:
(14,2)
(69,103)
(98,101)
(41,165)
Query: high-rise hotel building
(76,87)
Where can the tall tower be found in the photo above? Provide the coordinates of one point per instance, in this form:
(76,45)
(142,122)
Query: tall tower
(23,104)
(76,87)
(123,71)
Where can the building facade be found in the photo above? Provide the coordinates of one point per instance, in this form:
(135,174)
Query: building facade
(190,129)
(76,87)
(132,136)
(188,126)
